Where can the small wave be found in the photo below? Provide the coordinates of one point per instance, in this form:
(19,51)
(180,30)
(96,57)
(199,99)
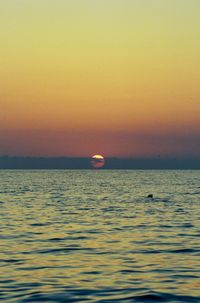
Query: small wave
(41,224)
(188,225)
(161,297)
(63,250)
(186,251)
(81,295)
(12,261)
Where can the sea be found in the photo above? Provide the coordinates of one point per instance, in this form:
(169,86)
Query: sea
(96,236)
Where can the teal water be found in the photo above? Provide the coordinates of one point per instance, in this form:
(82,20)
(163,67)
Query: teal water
(94,236)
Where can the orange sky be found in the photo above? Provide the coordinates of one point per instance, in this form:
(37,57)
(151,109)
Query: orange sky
(115,77)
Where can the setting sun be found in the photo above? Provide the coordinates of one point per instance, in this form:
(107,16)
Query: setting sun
(97,161)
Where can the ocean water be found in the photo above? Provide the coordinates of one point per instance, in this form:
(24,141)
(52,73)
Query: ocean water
(94,236)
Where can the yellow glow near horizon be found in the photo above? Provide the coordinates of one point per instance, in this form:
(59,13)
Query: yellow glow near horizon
(107,66)
(98,157)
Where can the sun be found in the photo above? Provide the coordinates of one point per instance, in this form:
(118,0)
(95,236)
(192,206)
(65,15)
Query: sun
(97,161)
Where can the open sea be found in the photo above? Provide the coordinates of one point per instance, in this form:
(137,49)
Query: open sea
(94,236)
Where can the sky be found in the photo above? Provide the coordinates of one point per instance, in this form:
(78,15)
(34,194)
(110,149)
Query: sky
(112,77)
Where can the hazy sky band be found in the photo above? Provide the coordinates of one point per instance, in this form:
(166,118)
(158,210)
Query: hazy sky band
(118,77)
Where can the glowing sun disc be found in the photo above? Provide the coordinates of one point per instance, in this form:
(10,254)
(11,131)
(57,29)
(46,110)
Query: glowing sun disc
(97,161)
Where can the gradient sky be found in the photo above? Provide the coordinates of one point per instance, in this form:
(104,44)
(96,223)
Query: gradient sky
(117,77)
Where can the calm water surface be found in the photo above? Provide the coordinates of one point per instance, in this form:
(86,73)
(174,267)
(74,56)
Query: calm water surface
(93,236)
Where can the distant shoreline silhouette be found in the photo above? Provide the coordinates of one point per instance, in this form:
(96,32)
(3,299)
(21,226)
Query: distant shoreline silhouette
(12,162)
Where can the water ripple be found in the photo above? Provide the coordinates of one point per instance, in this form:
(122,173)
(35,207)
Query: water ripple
(94,236)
